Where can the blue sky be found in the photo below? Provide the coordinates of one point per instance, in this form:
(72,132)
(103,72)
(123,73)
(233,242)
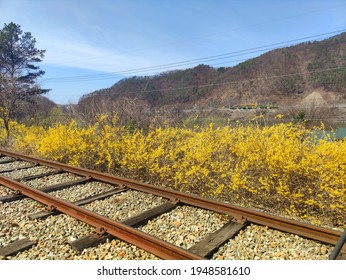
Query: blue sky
(91,44)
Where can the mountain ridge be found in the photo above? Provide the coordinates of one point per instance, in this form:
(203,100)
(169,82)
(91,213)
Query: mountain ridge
(278,76)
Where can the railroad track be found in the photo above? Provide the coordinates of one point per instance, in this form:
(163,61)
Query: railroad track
(234,218)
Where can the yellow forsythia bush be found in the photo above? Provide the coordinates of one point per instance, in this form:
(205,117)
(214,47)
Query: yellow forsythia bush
(280,167)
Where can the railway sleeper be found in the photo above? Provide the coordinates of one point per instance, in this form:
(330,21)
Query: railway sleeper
(210,244)
(31,177)
(9,160)
(18,196)
(47,213)
(18,168)
(16,247)
(95,239)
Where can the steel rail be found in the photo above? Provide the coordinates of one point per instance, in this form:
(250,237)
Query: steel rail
(291,226)
(136,237)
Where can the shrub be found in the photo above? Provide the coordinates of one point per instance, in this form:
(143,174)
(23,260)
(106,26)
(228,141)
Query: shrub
(281,167)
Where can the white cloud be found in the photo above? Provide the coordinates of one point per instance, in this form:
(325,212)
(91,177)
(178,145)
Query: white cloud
(87,56)
(82,55)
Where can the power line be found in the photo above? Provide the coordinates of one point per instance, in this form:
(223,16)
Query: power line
(112,75)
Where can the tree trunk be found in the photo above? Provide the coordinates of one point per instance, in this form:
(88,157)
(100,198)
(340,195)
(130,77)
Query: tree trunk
(7,128)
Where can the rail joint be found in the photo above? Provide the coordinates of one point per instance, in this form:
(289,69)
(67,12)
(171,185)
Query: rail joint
(174,200)
(100,231)
(239,219)
(51,208)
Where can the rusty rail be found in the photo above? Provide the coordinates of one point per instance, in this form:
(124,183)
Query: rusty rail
(303,229)
(102,224)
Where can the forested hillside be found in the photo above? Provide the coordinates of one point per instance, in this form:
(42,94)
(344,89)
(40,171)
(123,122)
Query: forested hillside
(279,76)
